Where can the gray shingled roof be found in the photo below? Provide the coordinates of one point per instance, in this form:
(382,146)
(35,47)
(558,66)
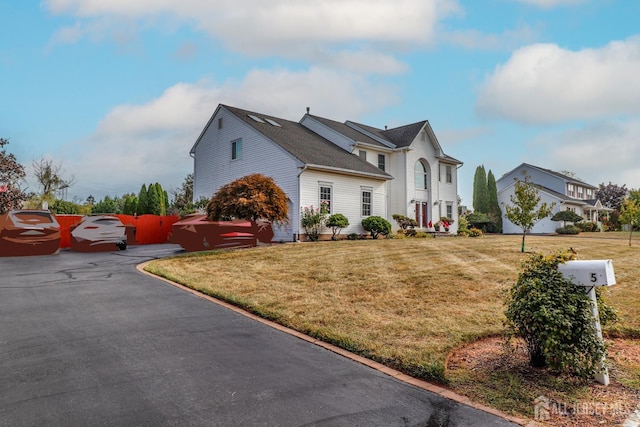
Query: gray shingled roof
(307,146)
(560,175)
(347,131)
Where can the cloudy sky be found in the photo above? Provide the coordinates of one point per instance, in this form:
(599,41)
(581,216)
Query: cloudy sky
(117,91)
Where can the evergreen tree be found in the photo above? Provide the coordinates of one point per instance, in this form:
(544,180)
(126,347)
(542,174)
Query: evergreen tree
(143,205)
(154,200)
(494,207)
(480,191)
(166,202)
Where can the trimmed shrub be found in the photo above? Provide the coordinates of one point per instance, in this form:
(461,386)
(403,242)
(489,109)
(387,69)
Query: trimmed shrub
(336,222)
(405,223)
(554,318)
(568,229)
(587,226)
(376,225)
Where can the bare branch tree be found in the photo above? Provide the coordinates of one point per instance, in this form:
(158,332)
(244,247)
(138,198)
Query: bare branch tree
(49,176)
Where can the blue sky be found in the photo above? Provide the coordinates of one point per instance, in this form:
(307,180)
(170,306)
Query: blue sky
(117,91)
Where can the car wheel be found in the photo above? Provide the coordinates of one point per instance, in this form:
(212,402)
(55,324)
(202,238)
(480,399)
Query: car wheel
(122,246)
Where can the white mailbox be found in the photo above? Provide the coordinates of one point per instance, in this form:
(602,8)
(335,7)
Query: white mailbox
(597,272)
(591,273)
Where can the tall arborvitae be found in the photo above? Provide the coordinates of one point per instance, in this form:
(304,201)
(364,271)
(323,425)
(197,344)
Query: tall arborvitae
(494,206)
(480,191)
(166,202)
(143,205)
(154,200)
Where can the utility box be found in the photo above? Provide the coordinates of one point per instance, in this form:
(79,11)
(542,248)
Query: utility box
(597,272)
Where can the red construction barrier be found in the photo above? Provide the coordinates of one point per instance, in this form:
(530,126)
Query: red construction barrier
(141,230)
(66,222)
(149,228)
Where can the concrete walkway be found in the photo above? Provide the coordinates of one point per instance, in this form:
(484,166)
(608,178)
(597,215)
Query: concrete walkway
(85,339)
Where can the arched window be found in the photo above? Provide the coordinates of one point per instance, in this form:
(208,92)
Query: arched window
(420,175)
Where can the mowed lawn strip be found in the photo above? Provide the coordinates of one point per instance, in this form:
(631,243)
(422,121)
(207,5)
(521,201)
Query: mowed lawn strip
(404,302)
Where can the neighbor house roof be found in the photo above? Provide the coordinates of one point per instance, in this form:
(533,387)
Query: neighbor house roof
(562,176)
(307,146)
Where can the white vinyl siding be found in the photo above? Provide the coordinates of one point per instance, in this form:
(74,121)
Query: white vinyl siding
(214,168)
(346,196)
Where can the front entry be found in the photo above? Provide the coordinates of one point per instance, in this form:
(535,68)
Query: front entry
(421,214)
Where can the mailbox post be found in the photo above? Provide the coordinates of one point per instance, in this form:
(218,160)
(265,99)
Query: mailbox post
(591,273)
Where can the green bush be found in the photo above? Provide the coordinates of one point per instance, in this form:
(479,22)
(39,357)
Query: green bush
(312,220)
(463,226)
(376,225)
(568,229)
(554,318)
(61,207)
(587,226)
(336,222)
(352,236)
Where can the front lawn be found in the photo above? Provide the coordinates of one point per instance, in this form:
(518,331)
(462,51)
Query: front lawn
(406,303)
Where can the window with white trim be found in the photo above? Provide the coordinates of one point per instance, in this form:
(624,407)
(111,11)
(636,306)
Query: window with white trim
(382,162)
(362,154)
(325,196)
(449,173)
(449,209)
(367,199)
(236,149)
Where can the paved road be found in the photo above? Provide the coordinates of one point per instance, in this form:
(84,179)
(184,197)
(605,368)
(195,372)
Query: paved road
(87,340)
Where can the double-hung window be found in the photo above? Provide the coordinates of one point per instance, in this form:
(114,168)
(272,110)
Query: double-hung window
(367,201)
(449,172)
(381,162)
(325,196)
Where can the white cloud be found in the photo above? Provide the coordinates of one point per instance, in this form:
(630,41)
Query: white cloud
(544,83)
(150,142)
(601,152)
(351,33)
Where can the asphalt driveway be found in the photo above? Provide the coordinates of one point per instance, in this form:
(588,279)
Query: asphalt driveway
(87,340)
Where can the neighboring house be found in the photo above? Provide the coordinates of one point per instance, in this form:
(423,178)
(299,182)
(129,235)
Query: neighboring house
(566,192)
(356,170)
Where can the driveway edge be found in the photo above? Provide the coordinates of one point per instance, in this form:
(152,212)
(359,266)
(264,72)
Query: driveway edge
(342,352)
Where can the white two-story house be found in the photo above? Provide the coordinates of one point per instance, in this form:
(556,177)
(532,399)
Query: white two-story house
(566,192)
(356,170)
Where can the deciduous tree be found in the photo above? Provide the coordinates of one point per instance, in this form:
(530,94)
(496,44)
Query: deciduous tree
(630,214)
(251,197)
(526,209)
(611,195)
(50,178)
(12,174)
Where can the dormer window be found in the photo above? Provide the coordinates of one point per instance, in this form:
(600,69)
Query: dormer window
(363,155)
